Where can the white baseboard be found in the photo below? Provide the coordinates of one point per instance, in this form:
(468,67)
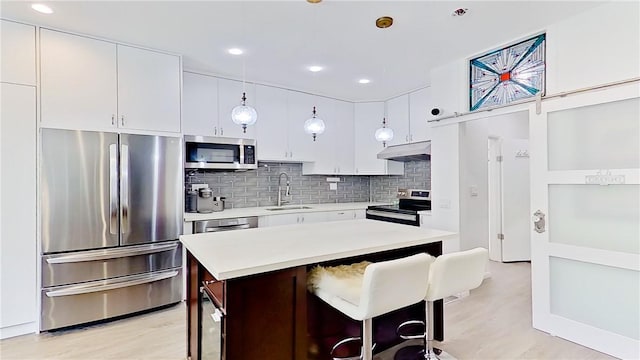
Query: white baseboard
(17,330)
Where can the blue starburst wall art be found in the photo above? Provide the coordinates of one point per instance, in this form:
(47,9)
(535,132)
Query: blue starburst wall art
(510,74)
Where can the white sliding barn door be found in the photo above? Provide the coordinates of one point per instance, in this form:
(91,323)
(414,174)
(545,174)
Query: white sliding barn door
(585,172)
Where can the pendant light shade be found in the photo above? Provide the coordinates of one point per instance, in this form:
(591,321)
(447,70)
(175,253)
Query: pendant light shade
(314,126)
(243,114)
(384,134)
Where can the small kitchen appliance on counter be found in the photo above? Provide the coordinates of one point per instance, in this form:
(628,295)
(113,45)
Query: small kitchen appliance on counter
(410,201)
(207,203)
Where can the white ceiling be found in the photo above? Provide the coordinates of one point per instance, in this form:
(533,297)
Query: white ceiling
(282,38)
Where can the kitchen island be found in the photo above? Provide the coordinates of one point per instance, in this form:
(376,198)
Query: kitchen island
(257,280)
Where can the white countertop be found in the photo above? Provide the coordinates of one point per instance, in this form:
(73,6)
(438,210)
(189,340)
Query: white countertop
(262,211)
(232,254)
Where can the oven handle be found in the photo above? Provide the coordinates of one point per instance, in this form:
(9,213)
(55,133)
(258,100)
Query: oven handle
(112,284)
(392,215)
(111,254)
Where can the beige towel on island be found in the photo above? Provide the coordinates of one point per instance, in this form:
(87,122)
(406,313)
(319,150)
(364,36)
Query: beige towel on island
(344,281)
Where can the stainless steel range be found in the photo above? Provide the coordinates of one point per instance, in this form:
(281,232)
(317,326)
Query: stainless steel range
(410,201)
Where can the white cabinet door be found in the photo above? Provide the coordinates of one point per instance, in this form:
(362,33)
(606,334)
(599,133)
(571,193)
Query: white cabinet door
(148,90)
(368,118)
(398,119)
(344,151)
(200,99)
(299,108)
(282,219)
(18,44)
(419,112)
(340,215)
(18,209)
(272,128)
(312,217)
(78,82)
(324,147)
(230,96)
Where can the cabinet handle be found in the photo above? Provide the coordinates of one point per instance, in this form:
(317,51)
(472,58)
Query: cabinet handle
(290,154)
(406,138)
(286,154)
(221,131)
(113,120)
(121,120)
(215,130)
(302,217)
(410,137)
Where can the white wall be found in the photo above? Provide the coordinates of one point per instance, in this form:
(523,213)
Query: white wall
(445,198)
(599,46)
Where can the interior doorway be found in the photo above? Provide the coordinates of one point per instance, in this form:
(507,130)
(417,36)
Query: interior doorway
(508,199)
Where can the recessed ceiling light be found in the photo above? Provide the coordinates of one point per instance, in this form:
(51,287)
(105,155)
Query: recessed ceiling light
(235,51)
(364,81)
(315,68)
(42,8)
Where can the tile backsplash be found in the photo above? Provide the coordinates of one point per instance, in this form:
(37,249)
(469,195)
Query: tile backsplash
(417,175)
(260,187)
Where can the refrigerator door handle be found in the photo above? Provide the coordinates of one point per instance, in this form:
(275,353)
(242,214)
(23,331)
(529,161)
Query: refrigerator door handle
(112,284)
(113,189)
(124,188)
(111,254)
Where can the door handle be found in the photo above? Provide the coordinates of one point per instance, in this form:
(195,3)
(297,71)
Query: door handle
(539,222)
(124,188)
(113,189)
(122,120)
(112,254)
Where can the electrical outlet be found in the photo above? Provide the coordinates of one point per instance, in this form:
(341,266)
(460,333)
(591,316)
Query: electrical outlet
(333,186)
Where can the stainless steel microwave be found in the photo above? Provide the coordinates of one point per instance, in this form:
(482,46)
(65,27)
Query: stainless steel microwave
(219,153)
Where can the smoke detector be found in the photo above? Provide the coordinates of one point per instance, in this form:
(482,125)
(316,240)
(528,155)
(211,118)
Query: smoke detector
(459,11)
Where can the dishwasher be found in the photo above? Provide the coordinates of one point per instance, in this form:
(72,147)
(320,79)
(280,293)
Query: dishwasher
(206,226)
(212,292)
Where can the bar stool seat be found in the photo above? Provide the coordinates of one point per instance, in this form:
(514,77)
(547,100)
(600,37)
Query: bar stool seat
(381,288)
(450,274)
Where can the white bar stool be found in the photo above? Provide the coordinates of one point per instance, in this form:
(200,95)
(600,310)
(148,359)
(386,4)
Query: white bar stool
(384,287)
(450,274)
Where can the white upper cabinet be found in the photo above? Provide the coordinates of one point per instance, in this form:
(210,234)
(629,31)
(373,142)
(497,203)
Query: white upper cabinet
(78,82)
(334,148)
(419,112)
(272,127)
(368,118)
(90,84)
(230,96)
(398,119)
(200,99)
(299,108)
(18,44)
(148,90)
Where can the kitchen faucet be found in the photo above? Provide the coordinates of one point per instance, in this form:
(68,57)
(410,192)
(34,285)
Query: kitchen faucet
(286,192)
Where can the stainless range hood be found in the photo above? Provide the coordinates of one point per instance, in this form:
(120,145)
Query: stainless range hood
(407,152)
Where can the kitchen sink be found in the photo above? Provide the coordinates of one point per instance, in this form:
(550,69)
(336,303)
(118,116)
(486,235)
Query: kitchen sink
(293,207)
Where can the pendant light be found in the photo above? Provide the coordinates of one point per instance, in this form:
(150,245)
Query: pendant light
(243,114)
(314,125)
(384,133)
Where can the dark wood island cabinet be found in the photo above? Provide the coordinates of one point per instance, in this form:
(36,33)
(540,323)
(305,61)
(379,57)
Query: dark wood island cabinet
(267,312)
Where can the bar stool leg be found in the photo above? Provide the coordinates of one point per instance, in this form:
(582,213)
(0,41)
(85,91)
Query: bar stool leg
(428,336)
(367,339)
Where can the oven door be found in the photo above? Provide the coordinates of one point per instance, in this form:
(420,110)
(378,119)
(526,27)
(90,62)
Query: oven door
(211,328)
(406,218)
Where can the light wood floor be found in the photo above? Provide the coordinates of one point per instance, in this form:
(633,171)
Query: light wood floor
(493,322)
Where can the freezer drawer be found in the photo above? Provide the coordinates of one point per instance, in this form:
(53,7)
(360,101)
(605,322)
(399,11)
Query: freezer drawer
(76,304)
(83,266)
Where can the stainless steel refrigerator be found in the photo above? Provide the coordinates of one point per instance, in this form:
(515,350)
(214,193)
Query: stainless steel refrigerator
(111,216)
